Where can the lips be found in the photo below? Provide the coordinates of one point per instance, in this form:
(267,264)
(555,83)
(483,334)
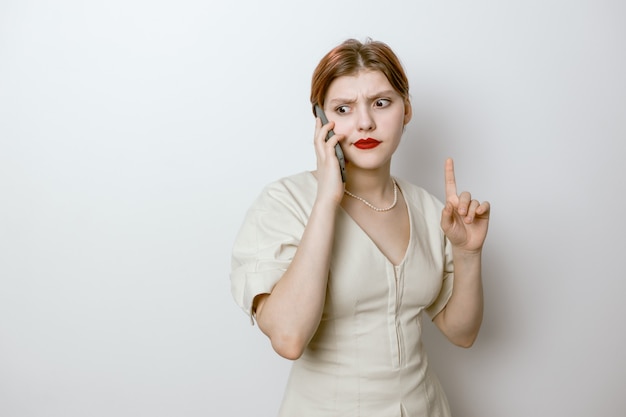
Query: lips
(368,143)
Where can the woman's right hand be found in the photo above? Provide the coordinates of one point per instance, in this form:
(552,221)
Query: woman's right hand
(330,187)
(291,313)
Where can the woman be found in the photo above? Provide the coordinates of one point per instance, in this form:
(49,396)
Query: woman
(337,275)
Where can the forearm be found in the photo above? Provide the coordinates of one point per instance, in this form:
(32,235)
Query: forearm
(290,315)
(461,318)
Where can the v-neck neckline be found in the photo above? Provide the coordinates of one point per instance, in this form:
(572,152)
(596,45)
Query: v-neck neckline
(369,238)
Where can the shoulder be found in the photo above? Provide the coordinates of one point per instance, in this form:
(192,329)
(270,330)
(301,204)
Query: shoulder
(294,193)
(301,183)
(279,212)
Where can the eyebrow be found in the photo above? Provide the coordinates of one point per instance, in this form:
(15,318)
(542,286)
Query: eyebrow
(378,94)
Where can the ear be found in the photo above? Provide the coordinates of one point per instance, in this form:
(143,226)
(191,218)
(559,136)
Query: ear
(408,111)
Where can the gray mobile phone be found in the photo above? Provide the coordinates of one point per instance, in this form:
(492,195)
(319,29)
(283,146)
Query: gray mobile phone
(338,151)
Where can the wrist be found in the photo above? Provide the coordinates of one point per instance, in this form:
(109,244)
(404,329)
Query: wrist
(460,253)
(326,203)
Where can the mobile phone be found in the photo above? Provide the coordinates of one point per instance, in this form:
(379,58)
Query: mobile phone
(338,151)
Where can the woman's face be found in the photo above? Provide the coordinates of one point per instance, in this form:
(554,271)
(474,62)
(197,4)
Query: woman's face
(370,113)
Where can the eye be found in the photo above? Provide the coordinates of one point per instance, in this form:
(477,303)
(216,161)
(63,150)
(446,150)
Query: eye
(382,102)
(342,109)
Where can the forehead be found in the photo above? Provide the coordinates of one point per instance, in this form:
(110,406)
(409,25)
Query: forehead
(363,83)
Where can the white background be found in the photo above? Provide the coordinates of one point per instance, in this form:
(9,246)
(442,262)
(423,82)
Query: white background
(135,134)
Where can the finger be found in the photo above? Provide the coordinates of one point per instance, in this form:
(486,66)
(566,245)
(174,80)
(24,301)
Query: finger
(471,212)
(464,201)
(318,124)
(326,149)
(330,144)
(322,132)
(318,128)
(319,140)
(450,180)
(316,134)
(484,209)
(447,216)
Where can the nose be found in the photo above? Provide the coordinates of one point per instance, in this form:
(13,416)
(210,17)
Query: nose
(365,120)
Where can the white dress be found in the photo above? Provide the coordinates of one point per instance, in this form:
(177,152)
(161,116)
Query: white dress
(366,358)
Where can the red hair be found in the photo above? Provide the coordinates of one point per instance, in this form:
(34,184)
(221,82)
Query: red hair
(352,56)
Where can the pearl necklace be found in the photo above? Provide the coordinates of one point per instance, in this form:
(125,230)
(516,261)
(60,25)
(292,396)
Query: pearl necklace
(373,207)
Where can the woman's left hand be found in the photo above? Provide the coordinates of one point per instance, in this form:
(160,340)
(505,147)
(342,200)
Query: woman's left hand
(463,220)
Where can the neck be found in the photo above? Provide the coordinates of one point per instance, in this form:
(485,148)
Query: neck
(370,184)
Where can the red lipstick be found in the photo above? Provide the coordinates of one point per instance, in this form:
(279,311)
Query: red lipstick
(368,143)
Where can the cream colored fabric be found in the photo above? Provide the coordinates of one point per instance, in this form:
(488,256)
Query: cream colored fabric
(366,358)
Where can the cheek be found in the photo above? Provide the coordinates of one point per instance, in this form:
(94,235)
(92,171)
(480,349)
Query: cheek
(395,124)
(342,127)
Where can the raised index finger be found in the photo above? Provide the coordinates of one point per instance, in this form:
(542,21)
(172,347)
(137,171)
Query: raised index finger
(450,180)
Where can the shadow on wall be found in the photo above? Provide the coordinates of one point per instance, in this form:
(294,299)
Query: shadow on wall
(496,346)
(422,152)
(427,142)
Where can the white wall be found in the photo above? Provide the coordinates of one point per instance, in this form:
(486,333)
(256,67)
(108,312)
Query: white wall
(134,135)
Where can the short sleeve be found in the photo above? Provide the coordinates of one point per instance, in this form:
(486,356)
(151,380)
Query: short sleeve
(266,244)
(448,281)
